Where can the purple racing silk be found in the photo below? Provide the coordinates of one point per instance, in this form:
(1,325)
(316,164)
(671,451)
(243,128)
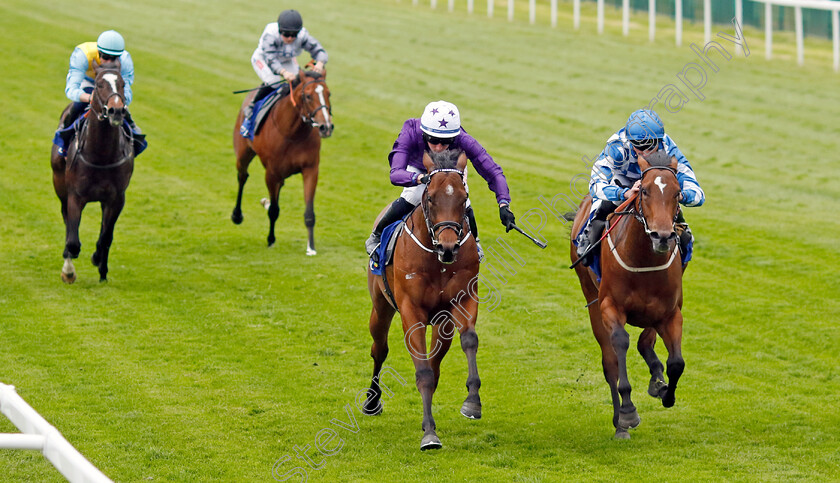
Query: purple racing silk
(408,151)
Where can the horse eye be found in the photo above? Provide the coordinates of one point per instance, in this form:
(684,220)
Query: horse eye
(644,191)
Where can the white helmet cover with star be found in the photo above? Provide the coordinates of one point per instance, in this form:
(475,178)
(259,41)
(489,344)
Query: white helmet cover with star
(441,120)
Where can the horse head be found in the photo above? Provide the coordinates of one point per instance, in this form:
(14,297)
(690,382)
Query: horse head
(445,201)
(658,201)
(108,99)
(315,105)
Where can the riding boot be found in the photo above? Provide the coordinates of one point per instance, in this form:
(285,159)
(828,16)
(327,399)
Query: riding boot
(474,229)
(398,209)
(596,228)
(66,134)
(138,136)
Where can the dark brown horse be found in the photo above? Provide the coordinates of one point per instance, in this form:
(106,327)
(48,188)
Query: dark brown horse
(435,262)
(287,144)
(98,167)
(641,285)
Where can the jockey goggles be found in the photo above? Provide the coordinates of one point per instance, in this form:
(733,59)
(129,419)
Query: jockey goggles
(289,33)
(434,140)
(106,57)
(645,144)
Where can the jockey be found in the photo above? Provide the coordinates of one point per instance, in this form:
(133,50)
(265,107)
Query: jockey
(437,129)
(275,59)
(109,46)
(616,175)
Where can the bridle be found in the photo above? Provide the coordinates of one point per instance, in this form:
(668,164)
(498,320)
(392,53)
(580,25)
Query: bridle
(104,111)
(309,118)
(436,229)
(638,213)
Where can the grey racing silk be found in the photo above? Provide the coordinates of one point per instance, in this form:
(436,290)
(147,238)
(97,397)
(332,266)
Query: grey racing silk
(273,55)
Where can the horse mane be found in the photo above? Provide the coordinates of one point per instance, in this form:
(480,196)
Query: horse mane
(446,159)
(307,73)
(659,158)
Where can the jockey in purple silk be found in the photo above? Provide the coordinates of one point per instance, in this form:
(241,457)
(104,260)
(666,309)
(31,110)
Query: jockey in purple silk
(439,128)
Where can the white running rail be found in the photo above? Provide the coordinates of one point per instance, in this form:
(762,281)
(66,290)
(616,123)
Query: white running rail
(37,433)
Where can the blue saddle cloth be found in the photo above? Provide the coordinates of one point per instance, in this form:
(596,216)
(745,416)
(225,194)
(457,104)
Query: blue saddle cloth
(140,143)
(261,108)
(385,250)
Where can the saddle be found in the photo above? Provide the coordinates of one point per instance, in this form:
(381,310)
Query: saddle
(262,107)
(63,136)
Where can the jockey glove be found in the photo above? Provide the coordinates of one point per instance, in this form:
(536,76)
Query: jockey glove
(508,220)
(424,179)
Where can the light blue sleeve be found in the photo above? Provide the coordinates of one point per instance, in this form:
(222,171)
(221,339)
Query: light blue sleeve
(693,194)
(76,74)
(127,73)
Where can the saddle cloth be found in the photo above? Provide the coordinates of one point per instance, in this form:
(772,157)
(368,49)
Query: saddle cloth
(385,251)
(262,107)
(63,137)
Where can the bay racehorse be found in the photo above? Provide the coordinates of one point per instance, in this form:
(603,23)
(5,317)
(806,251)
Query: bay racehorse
(287,144)
(641,285)
(435,266)
(98,167)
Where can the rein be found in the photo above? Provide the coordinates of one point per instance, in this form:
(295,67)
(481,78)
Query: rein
(310,118)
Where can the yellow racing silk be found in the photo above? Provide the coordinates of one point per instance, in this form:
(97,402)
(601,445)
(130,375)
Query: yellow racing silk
(92,53)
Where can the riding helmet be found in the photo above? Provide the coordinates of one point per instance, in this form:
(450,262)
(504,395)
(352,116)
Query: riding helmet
(110,42)
(441,119)
(645,124)
(289,21)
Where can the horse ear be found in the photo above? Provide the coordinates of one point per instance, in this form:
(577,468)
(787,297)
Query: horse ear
(427,162)
(302,75)
(643,163)
(462,161)
(324,73)
(674,163)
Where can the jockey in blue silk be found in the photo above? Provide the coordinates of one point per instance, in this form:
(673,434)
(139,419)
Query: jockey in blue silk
(439,128)
(616,175)
(109,46)
(275,58)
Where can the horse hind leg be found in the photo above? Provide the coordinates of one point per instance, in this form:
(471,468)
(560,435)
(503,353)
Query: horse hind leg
(380,322)
(274,187)
(110,213)
(472,404)
(657,386)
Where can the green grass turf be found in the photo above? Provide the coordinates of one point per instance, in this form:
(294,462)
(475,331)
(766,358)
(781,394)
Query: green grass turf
(208,357)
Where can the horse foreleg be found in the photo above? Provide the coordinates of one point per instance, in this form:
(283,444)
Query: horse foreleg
(380,322)
(469,344)
(310,180)
(72,245)
(415,338)
(110,213)
(244,155)
(628,417)
(671,333)
(647,339)
(273,184)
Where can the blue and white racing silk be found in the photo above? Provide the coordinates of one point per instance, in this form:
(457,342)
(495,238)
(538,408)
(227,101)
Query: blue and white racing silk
(617,168)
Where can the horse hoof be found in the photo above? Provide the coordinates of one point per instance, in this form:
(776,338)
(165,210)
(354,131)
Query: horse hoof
(68,278)
(430,441)
(310,252)
(265,202)
(94,259)
(103,280)
(669,399)
(236,218)
(471,410)
(657,388)
(372,412)
(629,421)
(621,434)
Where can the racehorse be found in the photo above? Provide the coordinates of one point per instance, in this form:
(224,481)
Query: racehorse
(98,167)
(288,144)
(435,262)
(641,285)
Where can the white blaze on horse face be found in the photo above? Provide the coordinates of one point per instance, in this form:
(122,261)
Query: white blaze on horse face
(320,91)
(658,182)
(111,79)
(450,190)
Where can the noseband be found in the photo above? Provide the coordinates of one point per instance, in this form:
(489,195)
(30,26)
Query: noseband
(638,214)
